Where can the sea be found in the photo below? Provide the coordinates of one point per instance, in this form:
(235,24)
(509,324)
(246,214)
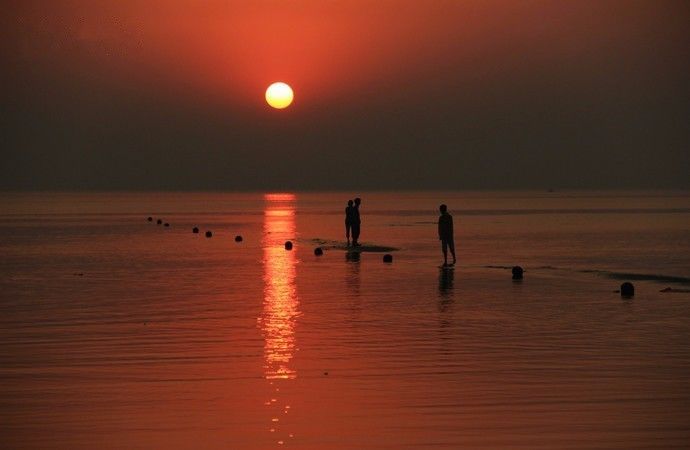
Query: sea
(120,333)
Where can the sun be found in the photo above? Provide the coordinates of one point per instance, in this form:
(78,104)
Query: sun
(279,95)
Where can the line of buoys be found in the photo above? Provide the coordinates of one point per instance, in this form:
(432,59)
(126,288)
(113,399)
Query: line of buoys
(195,230)
(627,289)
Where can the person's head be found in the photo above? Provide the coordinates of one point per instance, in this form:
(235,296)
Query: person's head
(443,209)
(349,202)
(358,201)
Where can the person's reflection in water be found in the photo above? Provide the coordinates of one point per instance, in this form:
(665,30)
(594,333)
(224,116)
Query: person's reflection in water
(445,316)
(445,287)
(353,280)
(281,307)
(354,258)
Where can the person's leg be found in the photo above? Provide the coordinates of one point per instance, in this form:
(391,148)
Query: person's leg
(451,245)
(355,234)
(444,248)
(347,233)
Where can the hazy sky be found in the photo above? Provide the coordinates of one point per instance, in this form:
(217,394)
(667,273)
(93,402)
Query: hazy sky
(153,94)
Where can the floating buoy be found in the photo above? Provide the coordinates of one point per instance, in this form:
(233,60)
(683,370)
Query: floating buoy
(195,230)
(318,251)
(166,224)
(627,289)
(288,245)
(388,258)
(150,219)
(209,234)
(517,273)
(238,238)
(159,221)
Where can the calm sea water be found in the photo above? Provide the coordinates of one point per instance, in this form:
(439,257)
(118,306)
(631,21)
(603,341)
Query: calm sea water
(118,333)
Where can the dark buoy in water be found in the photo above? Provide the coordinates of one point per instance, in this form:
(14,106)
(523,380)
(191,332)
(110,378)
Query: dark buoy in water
(150,219)
(238,238)
(166,224)
(627,289)
(517,273)
(209,234)
(388,258)
(288,245)
(159,221)
(318,251)
(195,230)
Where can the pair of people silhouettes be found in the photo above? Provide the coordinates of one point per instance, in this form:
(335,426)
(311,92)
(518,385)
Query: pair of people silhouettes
(445,229)
(352,221)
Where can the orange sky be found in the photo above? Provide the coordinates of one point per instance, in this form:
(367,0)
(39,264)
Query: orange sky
(229,51)
(562,82)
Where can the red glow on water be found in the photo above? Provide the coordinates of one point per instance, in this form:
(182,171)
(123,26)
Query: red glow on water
(281,304)
(279,197)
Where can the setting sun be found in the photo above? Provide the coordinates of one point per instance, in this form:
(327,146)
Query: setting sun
(279,95)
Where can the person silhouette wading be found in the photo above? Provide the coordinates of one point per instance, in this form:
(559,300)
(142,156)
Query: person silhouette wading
(349,217)
(445,234)
(356,222)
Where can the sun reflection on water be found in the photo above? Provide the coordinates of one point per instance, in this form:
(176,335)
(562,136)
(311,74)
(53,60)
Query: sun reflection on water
(281,304)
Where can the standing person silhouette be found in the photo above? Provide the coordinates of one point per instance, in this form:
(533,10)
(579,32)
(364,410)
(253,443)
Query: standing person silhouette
(349,217)
(445,234)
(356,222)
